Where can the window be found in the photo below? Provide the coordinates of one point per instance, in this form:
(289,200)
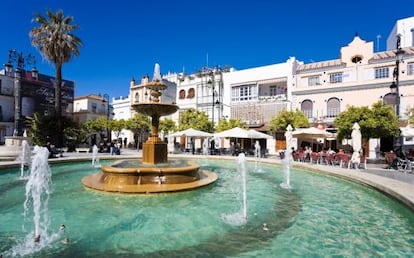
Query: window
(307,108)
(391,99)
(93,107)
(356,59)
(181,95)
(191,93)
(335,77)
(313,81)
(272,91)
(382,72)
(136,98)
(410,69)
(244,93)
(333,107)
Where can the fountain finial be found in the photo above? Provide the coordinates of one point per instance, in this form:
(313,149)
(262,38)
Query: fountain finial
(157,73)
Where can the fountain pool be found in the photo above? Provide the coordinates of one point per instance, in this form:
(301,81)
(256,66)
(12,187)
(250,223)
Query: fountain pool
(319,216)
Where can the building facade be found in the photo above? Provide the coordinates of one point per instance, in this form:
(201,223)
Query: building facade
(359,77)
(91,107)
(27,93)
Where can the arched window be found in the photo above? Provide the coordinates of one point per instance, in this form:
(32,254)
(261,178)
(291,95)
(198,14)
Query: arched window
(181,95)
(191,93)
(307,108)
(333,107)
(391,99)
(136,98)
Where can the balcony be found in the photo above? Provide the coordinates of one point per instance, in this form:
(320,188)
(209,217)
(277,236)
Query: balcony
(280,97)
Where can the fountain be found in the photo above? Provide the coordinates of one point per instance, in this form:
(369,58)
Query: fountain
(239,218)
(257,154)
(321,216)
(25,159)
(95,159)
(37,192)
(154,174)
(287,161)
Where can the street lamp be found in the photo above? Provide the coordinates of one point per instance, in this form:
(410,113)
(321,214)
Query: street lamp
(105,98)
(211,83)
(394,87)
(19,73)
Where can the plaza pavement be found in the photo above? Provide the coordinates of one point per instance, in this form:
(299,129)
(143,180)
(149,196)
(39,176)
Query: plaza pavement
(397,184)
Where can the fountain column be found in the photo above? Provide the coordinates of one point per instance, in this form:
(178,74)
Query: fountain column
(154,150)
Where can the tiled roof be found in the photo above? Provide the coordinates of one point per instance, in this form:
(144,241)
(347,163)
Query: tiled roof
(390,54)
(320,65)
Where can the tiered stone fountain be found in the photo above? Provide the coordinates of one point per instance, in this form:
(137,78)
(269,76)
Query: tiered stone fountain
(154,173)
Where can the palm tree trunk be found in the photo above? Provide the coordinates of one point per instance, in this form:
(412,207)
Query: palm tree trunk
(58,90)
(58,105)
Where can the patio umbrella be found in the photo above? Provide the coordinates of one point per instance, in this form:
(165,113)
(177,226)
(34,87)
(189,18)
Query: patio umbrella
(191,133)
(312,133)
(235,132)
(407,131)
(258,135)
(356,143)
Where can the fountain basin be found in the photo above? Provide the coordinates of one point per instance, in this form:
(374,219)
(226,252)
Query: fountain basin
(134,176)
(155,109)
(320,216)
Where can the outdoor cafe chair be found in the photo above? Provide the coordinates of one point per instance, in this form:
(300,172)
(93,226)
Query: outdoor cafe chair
(314,158)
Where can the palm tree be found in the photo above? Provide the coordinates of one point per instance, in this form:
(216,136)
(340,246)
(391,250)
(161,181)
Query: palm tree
(55,41)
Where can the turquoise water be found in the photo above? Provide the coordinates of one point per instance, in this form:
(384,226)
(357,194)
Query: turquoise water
(319,216)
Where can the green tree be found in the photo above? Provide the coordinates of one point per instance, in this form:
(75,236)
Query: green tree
(225,124)
(167,125)
(192,118)
(116,126)
(380,121)
(98,125)
(42,127)
(297,119)
(56,42)
(386,122)
(138,124)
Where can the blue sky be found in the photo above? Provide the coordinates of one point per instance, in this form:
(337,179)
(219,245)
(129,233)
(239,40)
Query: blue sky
(125,38)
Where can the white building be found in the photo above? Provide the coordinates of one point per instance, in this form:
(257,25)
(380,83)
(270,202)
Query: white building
(91,107)
(405,28)
(122,110)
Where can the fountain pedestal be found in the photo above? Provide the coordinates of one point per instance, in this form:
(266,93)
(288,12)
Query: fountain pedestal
(154,151)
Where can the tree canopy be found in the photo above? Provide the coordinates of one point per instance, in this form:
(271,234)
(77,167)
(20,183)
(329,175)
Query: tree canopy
(167,125)
(138,123)
(297,119)
(56,42)
(192,118)
(225,124)
(379,121)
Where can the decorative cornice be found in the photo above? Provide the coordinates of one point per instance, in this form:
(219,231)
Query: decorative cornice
(351,88)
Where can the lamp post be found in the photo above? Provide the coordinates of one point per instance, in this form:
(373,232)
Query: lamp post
(394,87)
(105,98)
(19,73)
(211,83)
